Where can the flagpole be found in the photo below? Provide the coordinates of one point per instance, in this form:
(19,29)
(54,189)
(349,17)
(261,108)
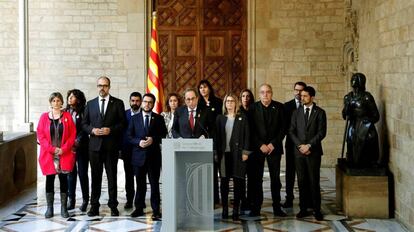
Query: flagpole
(154,77)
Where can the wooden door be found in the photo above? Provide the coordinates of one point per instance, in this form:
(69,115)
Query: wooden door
(203,39)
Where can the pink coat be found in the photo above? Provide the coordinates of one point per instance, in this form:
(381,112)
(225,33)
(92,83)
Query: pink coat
(67,159)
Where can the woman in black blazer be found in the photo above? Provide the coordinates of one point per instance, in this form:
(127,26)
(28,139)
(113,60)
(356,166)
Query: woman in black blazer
(76,104)
(232,143)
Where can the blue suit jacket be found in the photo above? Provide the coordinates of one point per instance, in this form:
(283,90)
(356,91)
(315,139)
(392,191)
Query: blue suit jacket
(181,126)
(136,133)
(126,146)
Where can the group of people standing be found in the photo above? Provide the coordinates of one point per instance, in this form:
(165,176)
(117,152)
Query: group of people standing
(245,134)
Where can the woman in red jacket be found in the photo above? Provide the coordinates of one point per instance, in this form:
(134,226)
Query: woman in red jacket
(56,133)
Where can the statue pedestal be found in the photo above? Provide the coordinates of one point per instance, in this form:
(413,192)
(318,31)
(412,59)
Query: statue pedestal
(362,193)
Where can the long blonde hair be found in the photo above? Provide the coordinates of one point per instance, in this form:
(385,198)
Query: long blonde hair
(236,99)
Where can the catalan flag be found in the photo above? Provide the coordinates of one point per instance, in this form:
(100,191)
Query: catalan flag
(154,78)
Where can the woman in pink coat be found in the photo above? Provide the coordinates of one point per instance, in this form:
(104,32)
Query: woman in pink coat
(56,133)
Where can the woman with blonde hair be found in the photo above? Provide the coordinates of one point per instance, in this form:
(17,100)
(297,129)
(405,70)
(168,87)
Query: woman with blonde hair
(231,146)
(56,133)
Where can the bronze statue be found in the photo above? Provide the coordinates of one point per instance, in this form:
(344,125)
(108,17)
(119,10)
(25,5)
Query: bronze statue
(361,114)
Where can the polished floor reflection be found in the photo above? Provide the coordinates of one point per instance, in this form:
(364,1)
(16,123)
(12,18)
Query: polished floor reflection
(26,213)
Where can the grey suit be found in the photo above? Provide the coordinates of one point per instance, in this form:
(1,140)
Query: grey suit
(308,166)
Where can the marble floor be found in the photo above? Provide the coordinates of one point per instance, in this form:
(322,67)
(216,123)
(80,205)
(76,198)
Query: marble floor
(26,213)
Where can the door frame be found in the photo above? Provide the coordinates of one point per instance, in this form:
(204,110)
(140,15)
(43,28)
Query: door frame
(251,40)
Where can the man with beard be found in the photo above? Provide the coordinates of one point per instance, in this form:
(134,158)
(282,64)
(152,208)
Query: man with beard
(291,106)
(104,121)
(135,103)
(307,130)
(145,131)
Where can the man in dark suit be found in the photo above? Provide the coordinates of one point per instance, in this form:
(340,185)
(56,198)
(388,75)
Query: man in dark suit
(135,99)
(307,129)
(104,121)
(191,121)
(291,106)
(145,132)
(267,123)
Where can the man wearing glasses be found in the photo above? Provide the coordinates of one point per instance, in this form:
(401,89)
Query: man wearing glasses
(104,121)
(145,131)
(191,121)
(290,107)
(267,120)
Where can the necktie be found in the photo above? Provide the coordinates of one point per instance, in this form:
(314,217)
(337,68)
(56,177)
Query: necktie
(191,120)
(307,116)
(103,108)
(146,122)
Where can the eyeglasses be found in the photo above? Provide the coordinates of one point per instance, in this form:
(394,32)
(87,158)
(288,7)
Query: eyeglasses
(102,86)
(230,101)
(190,99)
(148,102)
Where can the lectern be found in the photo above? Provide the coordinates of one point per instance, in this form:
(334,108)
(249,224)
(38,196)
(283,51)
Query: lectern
(187,185)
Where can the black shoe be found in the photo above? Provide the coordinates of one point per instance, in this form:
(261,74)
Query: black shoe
(225,213)
(254,213)
(302,214)
(83,206)
(318,215)
(288,204)
(244,206)
(278,212)
(137,213)
(128,205)
(114,212)
(71,203)
(156,217)
(93,212)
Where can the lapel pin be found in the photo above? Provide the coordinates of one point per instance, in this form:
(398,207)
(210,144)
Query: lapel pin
(212,109)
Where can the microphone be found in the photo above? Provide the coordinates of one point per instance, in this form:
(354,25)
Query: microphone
(201,126)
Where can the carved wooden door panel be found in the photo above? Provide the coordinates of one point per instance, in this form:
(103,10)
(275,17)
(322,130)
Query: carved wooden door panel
(203,39)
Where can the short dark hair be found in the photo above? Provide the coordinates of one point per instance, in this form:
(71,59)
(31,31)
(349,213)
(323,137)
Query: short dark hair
(55,94)
(310,90)
(135,94)
(80,97)
(167,105)
(301,83)
(106,78)
(149,95)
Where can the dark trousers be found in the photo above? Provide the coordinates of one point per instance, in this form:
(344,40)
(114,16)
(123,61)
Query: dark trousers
(290,174)
(50,183)
(98,160)
(308,168)
(81,168)
(238,185)
(255,171)
(153,170)
(129,177)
